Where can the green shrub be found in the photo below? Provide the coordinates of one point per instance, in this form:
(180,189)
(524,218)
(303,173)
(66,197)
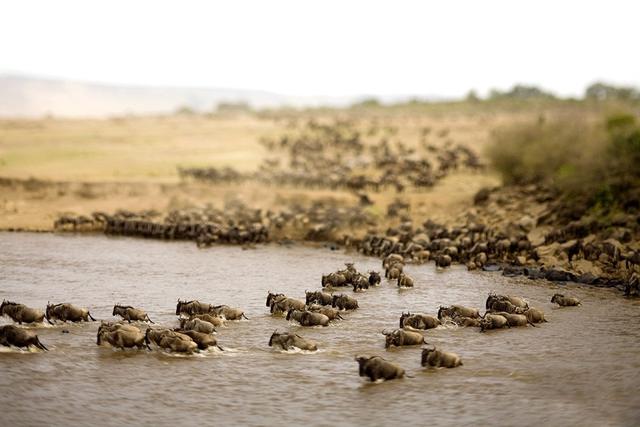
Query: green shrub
(596,161)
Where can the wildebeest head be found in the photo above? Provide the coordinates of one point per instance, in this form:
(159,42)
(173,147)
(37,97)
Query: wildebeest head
(119,308)
(48,313)
(374,277)
(179,307)
(362,360)
(403,317)
(425,353)
(441,312)
(289,313)
(391,338)
(274,334)
(324,280)
(490,298)
(309,296)
(9,306)
(556,297)
(271,297)
(334,300)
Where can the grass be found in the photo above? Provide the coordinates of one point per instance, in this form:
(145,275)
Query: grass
(131,149)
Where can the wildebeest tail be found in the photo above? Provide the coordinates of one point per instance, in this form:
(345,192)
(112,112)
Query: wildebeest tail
(91,317)
(245,316)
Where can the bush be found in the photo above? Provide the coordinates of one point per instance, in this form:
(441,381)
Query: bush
(544,151)
(596,161)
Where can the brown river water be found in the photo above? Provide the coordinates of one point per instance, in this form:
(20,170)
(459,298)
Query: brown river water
(581,368)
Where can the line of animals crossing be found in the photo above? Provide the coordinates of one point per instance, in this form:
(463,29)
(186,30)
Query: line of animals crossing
(198,321)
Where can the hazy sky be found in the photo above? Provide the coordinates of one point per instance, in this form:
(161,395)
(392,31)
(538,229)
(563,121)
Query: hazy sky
(326,47)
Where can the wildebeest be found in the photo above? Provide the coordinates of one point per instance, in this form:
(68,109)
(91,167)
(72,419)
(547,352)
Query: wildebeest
(66,311)
(563,301)
(374,278)
(197,325)
(317,297)
(130,313)
(400,337)
(465,321)
(12,335)
(121,337)
(113,326)
(192,307)
(405,281)
(334,280)
(229,313)
(393,271)
(439,359)
(280,303)
(360,282)
(377,368)
(632,287)
(515,319)
(517,302)
(443,261)
(330,312)
(418,321)
(308,318)
(493,321)
(501,304)
(170,340)
(344,302)
(21,313)
(391,259)
(211,318)
(534,315)
(289,341)
(271,297)
(203,340)
(458,311)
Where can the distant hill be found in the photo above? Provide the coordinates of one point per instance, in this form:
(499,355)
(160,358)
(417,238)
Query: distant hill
(22,96)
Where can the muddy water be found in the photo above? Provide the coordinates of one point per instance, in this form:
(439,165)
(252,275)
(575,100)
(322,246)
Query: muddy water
(583,367)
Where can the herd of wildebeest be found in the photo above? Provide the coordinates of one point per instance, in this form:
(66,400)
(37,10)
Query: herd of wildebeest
(339,155)
(473,244)
(198,321)
(368,160)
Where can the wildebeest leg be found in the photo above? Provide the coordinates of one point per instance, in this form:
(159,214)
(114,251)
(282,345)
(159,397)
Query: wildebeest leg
(39,345)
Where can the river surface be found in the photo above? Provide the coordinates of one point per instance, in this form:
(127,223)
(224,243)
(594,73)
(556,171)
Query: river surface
(581,368)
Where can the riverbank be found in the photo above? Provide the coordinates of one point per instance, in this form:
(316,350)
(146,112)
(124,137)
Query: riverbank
(377,181)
